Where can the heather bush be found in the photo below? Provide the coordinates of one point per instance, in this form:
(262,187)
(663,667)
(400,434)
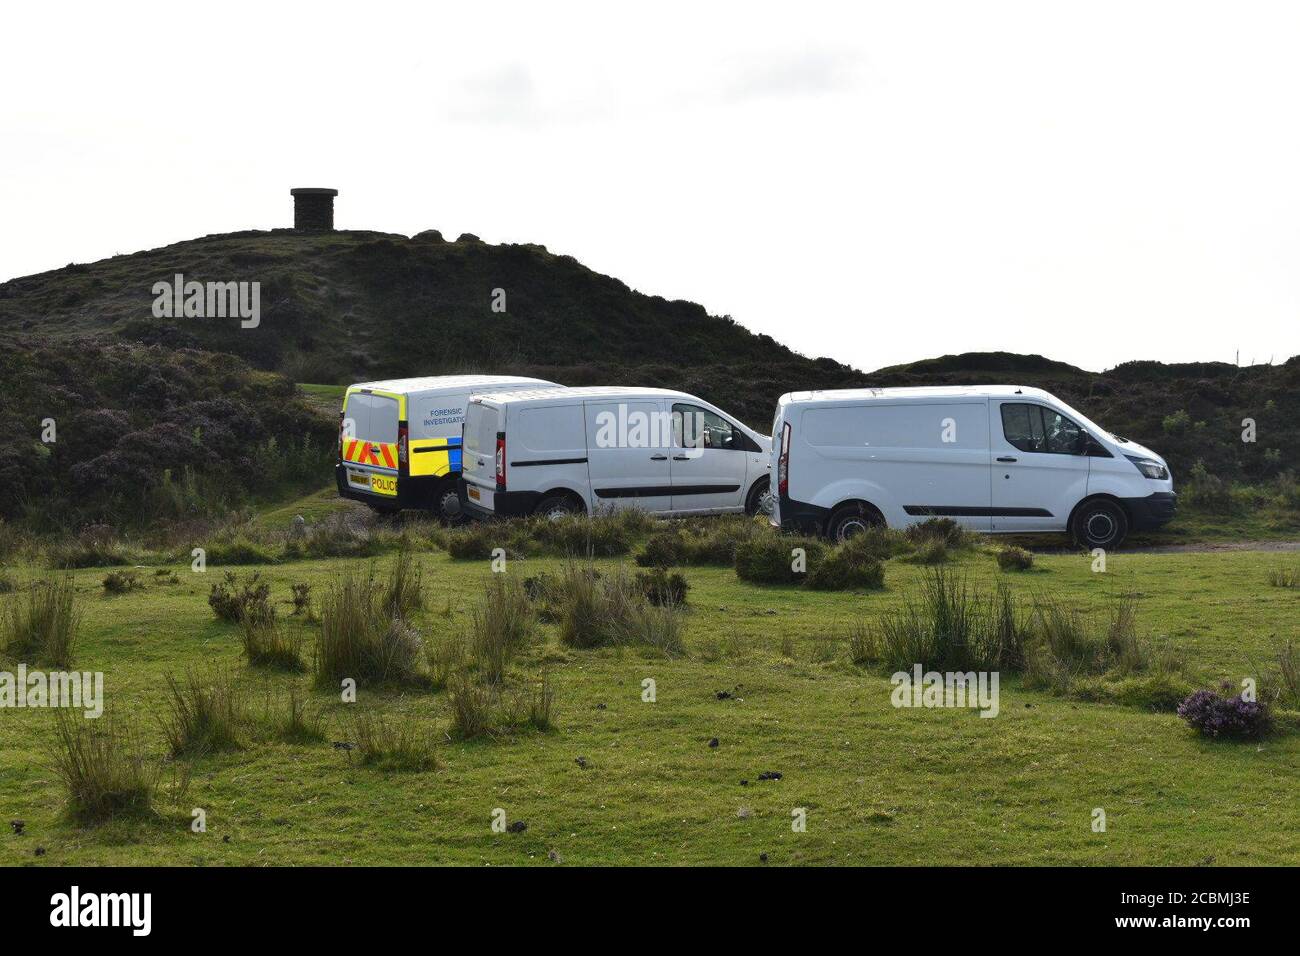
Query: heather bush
(1011,558)
(120,582)
(234,600)
(1214,716)
(661,587)
(770,559)
(847,569)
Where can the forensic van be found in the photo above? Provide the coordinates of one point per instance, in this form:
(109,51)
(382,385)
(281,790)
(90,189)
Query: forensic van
(584,450)
(400,440)
(996,458)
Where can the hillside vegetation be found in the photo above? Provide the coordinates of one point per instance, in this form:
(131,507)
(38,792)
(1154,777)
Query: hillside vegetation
(144,403)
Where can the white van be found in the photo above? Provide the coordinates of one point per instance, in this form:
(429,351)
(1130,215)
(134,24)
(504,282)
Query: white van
(591,449)
(996,458)
(399,440)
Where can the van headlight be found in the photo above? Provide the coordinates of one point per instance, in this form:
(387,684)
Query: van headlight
(1149,467)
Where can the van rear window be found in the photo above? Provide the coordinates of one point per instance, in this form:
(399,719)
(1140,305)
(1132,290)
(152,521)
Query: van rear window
(373,417)
(481,429)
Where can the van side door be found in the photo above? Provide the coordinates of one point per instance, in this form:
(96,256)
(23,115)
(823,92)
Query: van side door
(628,447)
(1040,471)
(709,463)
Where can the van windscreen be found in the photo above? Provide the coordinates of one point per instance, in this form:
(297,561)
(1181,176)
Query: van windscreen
(373,417)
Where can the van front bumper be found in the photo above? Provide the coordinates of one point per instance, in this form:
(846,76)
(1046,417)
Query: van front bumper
(1156,509)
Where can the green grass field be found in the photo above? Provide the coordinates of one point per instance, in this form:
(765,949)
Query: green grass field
(879,785)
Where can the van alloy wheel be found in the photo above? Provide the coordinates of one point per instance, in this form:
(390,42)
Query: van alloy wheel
(850,520)
(1100,524)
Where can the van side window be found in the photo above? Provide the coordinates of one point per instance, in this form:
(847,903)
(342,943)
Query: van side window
(1038,429)
(694,427)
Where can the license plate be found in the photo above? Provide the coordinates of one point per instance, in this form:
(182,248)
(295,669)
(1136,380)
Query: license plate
(358,478)
(383,484)
(474,493)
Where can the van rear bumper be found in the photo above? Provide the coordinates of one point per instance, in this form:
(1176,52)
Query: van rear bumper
(801,516)
(505,504)
(415,492)
(1156,509)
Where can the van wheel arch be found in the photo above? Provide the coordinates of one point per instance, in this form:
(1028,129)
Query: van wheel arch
(754,497)
(854,514)
(557,496)
(1080,536)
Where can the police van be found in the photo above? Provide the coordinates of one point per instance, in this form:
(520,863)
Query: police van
(400,440)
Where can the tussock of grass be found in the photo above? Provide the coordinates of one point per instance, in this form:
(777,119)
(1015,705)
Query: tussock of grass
(392,744)
(357,639)
(471,706)
(120,582)
(595,610)
(270,643)
(501,625)
(1284,577)
(298,723)
(445,655)
(404,591)
(104,768)
(41,625)
(704,542)
(207,712)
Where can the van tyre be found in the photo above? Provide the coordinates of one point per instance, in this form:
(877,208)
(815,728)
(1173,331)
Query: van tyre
(760,498)
(851,519)
(446,503)
(557,506)
(1100,524)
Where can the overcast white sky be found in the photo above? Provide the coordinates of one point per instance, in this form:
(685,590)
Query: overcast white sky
(1095,182)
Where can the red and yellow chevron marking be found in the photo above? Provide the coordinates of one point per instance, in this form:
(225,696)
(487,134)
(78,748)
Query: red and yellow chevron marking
(377,453)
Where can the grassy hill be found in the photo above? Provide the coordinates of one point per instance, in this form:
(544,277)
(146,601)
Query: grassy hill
(81,345)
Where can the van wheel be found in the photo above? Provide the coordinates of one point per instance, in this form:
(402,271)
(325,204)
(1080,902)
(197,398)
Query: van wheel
(759,501)
(557,506)
(1100,524)
(848,520)
(446,504)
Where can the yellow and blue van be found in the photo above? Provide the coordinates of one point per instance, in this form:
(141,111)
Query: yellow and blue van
(400,440)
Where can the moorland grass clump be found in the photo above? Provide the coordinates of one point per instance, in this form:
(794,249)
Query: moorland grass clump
(234,600)
(358,639)
(206,713)
(42,624)
(1012,558)
(393,744)
(777,559)
(104,767)
(501,625)
(594,610)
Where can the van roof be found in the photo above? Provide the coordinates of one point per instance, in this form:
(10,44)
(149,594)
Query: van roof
(595,391)
(922,393)
(448,383)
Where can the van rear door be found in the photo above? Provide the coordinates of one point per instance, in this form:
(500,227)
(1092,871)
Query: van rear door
(369,447)
(483,421)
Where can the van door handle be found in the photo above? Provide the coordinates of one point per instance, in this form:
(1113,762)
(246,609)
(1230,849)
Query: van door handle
(1006,459)
(681,457)
(658,457)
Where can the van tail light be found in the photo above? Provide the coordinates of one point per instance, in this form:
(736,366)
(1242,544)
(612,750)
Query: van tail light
(501,461)
(783,462)
(340,435)
(403,443)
